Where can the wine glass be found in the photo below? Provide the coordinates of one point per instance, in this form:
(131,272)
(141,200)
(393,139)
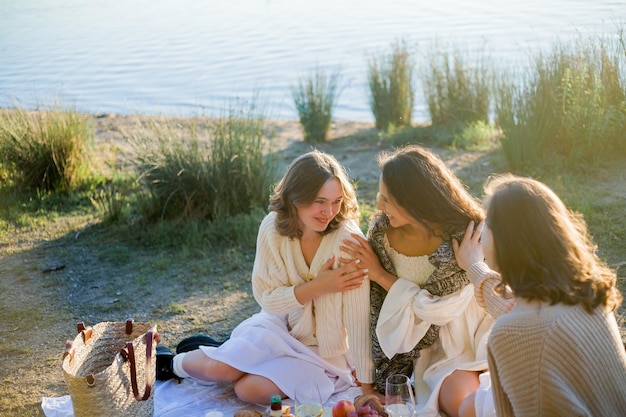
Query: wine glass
(399,398)
(308,401)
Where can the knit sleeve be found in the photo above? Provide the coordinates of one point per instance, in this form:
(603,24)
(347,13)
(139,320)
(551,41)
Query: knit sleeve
(356,307)
(272,286)
(485,281)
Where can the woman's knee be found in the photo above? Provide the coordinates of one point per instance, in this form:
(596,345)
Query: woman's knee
(455,389)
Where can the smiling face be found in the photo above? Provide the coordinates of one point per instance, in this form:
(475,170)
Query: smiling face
(397,215)
(316,216)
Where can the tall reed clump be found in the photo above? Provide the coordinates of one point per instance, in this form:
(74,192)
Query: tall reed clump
(212,169)
(46,149)
(569,111)
(392,90)
(457,88)
(314,98)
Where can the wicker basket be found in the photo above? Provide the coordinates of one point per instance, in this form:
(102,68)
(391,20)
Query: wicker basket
(104,366)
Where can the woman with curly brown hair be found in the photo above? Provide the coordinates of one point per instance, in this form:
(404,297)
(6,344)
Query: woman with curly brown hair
(558,351)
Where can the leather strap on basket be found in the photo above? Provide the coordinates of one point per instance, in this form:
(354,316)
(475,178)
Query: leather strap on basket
(129,352)
(86,331)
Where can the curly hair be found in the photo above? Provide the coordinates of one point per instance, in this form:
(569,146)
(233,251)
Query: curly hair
(299,187)
(543,250)
(421,183)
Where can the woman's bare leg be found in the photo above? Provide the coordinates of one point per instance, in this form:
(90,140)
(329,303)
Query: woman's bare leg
(256,389)
(248,387)
(457,393)
(200,366)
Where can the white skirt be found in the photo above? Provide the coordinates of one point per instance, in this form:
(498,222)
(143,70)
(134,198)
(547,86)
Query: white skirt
(261,345)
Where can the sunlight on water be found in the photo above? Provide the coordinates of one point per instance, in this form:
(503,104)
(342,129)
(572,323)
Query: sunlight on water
(196,57)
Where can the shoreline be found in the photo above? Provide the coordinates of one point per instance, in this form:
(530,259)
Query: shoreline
(113,130)
(111,126)
(113,133)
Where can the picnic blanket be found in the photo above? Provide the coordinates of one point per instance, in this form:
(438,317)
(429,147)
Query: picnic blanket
(191,399)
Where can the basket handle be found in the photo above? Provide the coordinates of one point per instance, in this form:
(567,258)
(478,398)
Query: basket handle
(86,332)
(129,352)
(69,350)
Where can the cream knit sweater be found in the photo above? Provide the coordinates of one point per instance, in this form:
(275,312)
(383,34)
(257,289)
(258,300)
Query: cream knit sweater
(334,322)
(557,361)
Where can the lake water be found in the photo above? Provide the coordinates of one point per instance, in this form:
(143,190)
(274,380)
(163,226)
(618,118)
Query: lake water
(190,57)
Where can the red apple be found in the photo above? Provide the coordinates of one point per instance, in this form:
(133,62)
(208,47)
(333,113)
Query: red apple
(342,408)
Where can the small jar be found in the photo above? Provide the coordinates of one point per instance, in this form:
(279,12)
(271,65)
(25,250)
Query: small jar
(276,405)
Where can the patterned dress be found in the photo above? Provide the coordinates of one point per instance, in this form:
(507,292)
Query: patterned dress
(446,278)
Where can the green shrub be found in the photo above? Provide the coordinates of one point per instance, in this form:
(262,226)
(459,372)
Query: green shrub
(476,136)
(392,91)
(241,174)
(115,201)
(568,111)
(472,136)
(213,169)
(45,150)
(457,91)
(428,135)
(314,98)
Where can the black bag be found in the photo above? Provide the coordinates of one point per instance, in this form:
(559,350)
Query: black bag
(194,342)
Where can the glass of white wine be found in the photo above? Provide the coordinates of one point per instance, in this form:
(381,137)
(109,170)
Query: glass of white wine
(399,397)
(308,401)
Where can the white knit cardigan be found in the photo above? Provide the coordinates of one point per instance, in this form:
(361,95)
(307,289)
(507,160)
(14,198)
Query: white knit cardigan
(334,322)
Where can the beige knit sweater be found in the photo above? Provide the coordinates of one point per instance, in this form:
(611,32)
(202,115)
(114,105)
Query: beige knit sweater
(484,281)
(334,322)
(557,361)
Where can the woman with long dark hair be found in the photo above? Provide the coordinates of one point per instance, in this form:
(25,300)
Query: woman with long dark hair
(425,320)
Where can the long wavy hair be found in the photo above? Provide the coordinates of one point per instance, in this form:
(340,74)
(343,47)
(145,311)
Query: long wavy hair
(543,250)
(299,187)
(421,183)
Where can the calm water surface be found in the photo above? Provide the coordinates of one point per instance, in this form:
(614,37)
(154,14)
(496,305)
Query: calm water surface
(192,57)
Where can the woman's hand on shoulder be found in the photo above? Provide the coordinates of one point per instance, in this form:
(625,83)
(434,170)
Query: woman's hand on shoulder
(469,251)
(345,278)
(329,280)
(360,249)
